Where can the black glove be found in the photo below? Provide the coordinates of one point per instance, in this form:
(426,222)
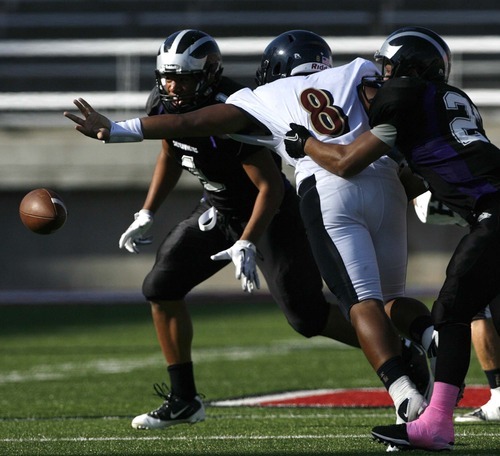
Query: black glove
(295,140)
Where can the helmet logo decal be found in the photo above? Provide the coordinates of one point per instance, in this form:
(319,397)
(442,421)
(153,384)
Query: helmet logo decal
(292,53)
(423,36)
(390,51)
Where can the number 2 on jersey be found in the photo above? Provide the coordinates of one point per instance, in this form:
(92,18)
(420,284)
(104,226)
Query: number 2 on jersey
(325,117)
(463,126)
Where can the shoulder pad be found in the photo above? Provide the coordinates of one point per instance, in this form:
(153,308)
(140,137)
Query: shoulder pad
(153,103)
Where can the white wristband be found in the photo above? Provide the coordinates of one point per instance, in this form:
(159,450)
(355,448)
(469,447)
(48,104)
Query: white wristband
(126,131)
(147,213)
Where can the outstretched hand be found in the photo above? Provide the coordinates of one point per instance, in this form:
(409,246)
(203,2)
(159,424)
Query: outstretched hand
(93,124)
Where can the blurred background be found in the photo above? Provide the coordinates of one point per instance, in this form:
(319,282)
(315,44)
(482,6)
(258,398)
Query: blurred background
(52,51)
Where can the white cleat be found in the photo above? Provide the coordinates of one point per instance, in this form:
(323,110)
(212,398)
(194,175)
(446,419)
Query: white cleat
(488,412)
(174,410)
(410,408)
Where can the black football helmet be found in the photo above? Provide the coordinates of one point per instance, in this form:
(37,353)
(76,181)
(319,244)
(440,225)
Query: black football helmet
(292,53)
(416,50)
(189,52)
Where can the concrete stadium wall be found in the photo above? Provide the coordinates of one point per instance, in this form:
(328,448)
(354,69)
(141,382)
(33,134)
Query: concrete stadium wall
(84,254)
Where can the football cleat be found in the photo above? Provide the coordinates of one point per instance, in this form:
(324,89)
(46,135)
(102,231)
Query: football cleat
(432,352)
(417,368)
(410,408)
(174,410)
(488,412)
(396,436)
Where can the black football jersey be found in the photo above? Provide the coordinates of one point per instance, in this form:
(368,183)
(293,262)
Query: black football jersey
(216,161)
(440,133)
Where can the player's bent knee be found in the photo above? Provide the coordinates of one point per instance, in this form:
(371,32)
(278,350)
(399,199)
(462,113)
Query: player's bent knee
(306,328)
(162,290)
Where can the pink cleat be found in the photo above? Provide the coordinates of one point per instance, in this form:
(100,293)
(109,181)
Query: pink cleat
(438,435)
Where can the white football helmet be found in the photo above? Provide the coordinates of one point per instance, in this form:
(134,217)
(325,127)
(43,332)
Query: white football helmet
(189,52)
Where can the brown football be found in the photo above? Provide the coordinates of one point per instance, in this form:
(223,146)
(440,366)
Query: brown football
(43,211)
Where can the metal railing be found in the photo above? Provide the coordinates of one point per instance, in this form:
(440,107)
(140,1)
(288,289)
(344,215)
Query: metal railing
(241,57)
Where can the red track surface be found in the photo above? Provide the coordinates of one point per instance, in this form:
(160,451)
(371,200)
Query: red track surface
(474,397)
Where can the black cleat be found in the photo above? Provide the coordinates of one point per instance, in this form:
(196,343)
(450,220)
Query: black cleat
(417,368)
(396,436)
(174,410)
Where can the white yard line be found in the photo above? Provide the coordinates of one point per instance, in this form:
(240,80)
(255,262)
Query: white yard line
(45,372)
(186,438)
(213,437)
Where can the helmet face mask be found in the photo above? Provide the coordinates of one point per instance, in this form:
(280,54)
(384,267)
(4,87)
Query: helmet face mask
(188,52)
(293,53)
(415,51)
(179,90)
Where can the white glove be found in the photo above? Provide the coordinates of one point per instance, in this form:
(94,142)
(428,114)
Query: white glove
(430,210)
(242,253)
(135,232)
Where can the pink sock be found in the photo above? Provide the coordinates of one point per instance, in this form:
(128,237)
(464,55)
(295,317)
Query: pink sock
(434,430)
(444,398)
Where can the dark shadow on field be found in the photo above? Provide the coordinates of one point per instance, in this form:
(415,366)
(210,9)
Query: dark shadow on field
(331,452)
(46,318)
(310,453)
(271,453)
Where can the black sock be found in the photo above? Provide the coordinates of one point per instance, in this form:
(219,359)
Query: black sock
(390,371)
(182,380)
(453,354)
(493,377)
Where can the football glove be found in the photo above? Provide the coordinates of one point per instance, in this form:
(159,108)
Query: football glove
(242,253)
(295,140)
(134,236)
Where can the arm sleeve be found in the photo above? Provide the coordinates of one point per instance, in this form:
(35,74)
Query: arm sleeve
(386,133)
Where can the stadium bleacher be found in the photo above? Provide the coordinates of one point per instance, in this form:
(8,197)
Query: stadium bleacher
(117,19)
(148,18)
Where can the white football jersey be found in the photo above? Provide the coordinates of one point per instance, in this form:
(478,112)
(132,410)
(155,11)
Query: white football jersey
(365,215)
(327,103)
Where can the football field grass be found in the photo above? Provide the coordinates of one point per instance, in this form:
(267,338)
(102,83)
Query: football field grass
(73,376)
